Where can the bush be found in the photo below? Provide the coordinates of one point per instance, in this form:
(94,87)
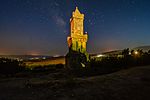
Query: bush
(111,64)
(9,66)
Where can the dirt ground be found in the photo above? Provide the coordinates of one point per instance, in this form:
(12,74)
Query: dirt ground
(129,84)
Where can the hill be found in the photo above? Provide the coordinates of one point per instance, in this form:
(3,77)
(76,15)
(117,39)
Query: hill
(129,84)
(144,48)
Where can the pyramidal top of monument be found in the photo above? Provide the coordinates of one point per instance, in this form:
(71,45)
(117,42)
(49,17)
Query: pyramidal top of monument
(77,13)
(77,10)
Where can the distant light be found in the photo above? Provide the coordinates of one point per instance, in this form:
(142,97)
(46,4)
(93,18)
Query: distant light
(36,58)
(129,53)
(31,58)
(44,57)
(56,55)
(136,52)
(100,55)
(21,59)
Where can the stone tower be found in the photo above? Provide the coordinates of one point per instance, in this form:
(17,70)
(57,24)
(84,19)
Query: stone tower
(77,56)
(77,39)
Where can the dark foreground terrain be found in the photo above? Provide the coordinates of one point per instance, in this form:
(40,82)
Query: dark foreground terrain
(129,84)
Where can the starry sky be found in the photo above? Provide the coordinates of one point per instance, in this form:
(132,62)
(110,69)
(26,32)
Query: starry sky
(42,26)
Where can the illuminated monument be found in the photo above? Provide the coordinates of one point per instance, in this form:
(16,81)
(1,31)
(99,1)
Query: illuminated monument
(77,40)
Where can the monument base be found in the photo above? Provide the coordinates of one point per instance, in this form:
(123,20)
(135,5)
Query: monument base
(76,60)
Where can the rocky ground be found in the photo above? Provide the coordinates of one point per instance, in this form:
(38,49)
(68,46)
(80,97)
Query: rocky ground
(129,84)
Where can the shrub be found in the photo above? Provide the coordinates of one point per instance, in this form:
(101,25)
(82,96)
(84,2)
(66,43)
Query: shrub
(9,66)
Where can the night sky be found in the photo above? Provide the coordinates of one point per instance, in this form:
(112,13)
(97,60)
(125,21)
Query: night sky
(42,26)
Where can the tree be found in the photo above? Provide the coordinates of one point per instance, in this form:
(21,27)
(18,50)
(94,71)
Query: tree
(125,52)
